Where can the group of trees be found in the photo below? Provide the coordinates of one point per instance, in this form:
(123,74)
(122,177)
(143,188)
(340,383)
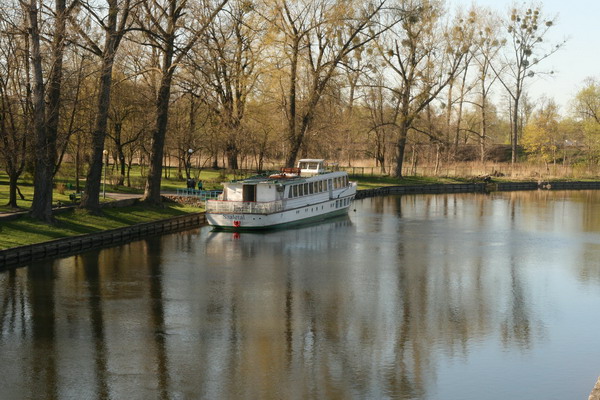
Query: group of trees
(232,80)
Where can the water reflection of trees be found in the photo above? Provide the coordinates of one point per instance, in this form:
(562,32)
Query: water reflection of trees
(89,262)
(352,308)
(570,216)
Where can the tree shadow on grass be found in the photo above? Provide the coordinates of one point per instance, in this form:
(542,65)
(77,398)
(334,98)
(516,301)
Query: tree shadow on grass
(25,230)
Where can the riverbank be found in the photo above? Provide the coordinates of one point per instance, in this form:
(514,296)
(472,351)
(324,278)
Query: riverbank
(73,223)
(476,188)
(20,230)
(66,246)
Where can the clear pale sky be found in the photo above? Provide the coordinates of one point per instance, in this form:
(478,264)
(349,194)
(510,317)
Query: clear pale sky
(578,22)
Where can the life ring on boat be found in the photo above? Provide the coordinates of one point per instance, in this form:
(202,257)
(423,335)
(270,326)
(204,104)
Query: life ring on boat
(237,223)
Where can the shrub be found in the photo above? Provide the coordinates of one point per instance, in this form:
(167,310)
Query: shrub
(61,188)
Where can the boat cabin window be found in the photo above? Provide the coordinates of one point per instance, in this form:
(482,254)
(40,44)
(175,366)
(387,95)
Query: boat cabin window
(295,190)
(309,165)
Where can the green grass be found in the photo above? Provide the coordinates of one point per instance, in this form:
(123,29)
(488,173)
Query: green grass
(25,231)
(26,187)
(211,179)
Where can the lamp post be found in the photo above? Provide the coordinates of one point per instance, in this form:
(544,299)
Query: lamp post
(105,152)
(190,152)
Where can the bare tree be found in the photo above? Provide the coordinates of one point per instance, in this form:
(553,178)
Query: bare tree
(128,120)
(45,111)
(14,104)
(422,64)
(485,51)
(526,28)
(115,23)
(226,59)
(171,32)
(383,116)
(318,36)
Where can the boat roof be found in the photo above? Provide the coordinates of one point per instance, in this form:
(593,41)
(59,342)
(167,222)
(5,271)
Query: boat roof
(319,160)
(281,180)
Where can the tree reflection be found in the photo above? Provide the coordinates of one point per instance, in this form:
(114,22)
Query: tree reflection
(90,263)
(41,296)
(516,327)
(157,312)
(11,308)
(332,310)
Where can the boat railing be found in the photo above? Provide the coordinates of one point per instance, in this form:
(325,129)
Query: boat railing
(201,194)
(243,207)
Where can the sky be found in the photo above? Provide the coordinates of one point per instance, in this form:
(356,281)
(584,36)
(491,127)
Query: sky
(577,22)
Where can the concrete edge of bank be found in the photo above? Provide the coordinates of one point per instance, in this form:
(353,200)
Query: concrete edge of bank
(21,255)
(476,188)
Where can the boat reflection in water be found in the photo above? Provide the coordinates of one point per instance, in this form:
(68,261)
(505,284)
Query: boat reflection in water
(318,235)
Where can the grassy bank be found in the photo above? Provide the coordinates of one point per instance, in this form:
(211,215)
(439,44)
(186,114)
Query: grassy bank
(25,231)
(64,186)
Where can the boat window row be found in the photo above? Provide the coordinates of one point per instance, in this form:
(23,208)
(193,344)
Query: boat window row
(308,188)
(342,202)
(340,182)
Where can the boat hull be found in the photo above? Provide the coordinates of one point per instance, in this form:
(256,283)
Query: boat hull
(285,218)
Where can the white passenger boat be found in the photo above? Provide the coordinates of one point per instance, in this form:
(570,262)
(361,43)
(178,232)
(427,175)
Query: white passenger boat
(293,196)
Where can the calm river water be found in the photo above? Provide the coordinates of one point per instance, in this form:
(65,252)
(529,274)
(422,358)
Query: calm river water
(464,296)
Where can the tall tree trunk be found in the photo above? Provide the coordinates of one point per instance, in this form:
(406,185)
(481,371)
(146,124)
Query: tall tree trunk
(483,133)
(152,190)
(400,148)
(461,102)
(449,111)
(515,130)
(122,167)
(232,155)
(41,207)
(295,145)
(90,200)
(77,163)
(292,136)
(13,151)
(405,124)
(12,190)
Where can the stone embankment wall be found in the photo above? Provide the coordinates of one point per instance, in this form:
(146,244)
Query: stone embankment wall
(511,186)
(422,189)
(476,188)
